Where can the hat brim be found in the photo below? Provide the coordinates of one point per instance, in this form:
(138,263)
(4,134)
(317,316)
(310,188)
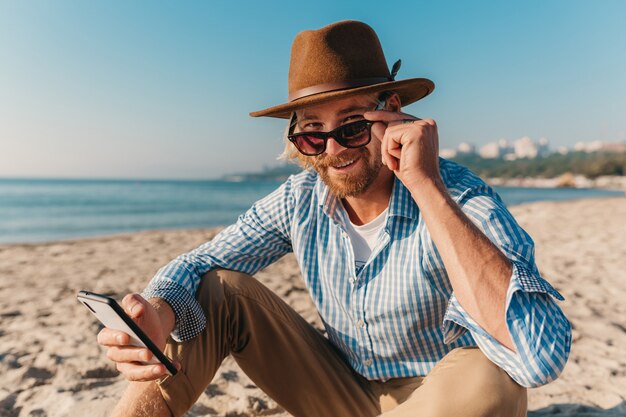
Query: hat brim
(410,91)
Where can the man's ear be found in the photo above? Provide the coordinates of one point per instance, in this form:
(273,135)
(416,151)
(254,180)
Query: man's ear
(393,102)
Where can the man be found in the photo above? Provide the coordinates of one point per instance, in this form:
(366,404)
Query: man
(426,285)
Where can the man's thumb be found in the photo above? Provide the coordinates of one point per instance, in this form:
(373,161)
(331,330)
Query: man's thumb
(134,305)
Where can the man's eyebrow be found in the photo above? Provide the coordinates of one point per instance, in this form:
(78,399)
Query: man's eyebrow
(306,117)
(353,109)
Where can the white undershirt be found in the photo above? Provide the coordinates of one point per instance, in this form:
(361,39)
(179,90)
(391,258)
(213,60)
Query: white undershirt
(364,238)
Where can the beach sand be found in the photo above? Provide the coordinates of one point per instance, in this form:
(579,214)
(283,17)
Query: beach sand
(51,364)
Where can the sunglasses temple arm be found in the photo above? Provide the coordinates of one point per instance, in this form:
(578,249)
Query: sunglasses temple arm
(292,123)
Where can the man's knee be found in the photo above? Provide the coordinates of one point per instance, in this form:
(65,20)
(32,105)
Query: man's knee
(468,383)
(497,394)
(491,391)
(218,279)
(236,289)
(216,285)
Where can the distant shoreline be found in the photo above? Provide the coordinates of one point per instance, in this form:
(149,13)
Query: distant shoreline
(606,182)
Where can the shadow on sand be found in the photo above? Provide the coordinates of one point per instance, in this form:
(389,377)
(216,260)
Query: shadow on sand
(579,410)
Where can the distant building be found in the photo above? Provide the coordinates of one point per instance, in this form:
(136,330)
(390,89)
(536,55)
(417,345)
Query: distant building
(490,151)
(543,147)
(525,148)
(592,146)
(617,147)
(600,146)
(466,148)
(447,153)
(495,149)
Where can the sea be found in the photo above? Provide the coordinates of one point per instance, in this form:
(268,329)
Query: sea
(41,210)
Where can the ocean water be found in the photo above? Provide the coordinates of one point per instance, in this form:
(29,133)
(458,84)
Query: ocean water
(37,210)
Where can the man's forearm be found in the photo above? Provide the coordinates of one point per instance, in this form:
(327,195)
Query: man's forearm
(478,271)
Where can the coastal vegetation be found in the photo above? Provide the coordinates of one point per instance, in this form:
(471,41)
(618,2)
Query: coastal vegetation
(589,165)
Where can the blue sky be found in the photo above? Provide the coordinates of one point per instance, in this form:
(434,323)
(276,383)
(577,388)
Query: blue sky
(163,89)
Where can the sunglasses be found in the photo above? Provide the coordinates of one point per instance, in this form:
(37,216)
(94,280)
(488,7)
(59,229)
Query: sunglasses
(351,135)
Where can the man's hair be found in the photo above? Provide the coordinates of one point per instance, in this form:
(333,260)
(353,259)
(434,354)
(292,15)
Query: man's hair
(292,155)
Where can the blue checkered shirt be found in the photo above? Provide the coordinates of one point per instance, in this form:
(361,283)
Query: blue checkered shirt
(398,316)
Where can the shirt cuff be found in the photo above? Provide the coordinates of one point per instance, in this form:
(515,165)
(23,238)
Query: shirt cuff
(524,279)
(190,319)
(456,321)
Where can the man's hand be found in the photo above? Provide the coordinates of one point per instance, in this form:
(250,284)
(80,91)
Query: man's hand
(410,146)
(156,319)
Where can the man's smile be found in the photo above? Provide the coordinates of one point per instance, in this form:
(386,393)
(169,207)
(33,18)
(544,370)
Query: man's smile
(345,166)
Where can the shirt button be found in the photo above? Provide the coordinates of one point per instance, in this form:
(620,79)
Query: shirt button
(367,362)
(360,324)
(352,280)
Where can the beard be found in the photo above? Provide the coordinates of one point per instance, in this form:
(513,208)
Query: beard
(350,184)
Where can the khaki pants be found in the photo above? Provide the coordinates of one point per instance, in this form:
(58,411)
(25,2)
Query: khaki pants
(299,368)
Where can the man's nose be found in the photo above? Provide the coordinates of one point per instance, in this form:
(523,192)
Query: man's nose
(332,147)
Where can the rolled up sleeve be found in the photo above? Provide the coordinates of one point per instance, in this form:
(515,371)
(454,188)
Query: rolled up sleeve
(190,320)
(258,238)
(539,330)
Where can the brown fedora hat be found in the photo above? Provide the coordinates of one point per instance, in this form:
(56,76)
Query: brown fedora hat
(338,61)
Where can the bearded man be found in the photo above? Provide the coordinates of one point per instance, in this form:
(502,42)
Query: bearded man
(426,285)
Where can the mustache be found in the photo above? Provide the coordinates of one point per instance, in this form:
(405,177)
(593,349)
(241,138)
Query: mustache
(323,162)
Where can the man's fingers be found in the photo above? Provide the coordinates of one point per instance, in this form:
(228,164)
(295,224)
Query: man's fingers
(395,152)
(383,152)
(137,372)
(393,145)
(129,354)
(110,337)
(133,305)
(386,116)
(398,133)
(378,130)
(388,159)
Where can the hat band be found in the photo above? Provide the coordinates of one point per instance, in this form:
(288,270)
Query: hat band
(323,88)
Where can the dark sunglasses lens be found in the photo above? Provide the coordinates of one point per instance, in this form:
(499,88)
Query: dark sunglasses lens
(309,145)
(355,134)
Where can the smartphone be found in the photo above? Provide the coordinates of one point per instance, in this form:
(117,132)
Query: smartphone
(113,316)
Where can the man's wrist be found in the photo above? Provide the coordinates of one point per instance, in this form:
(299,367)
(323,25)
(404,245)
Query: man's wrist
(165,313)
(427,187)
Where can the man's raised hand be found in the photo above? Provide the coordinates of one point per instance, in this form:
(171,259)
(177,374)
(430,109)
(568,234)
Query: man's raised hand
(409,146)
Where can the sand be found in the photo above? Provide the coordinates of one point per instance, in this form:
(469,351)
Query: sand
(52,366)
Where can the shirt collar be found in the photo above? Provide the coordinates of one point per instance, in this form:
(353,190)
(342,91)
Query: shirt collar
(327,201)
(401,203)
